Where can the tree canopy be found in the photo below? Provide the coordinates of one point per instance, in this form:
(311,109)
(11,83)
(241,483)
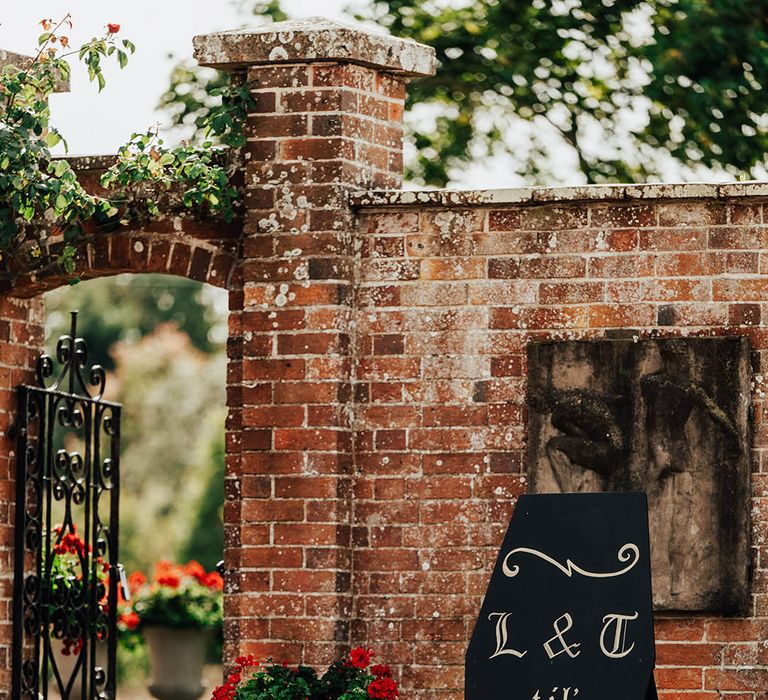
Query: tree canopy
(628,91)
(623,85)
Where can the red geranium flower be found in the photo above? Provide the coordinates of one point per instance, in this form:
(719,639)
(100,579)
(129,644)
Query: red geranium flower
(360,657)
(170,580)
(130,620)
(113,28)
(245,661)
(195,569)
(213,580)
(136,580)
(383,689)
(381,671)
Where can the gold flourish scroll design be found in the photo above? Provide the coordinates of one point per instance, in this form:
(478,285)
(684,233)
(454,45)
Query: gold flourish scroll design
(628,553)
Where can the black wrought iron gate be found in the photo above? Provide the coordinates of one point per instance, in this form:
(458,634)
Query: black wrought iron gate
(66,572)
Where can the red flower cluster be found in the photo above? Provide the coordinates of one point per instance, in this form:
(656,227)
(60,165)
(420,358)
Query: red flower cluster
(171,575)
(71,647)
(359,657)
(136,580)
(228,690)
(380,684)
(381,670)
(70,543)
(383,689)
(113,28)
(130,620)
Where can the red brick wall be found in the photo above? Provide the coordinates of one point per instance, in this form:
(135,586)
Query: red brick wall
(447,300)
(376,376)
(21,333)
(319,132)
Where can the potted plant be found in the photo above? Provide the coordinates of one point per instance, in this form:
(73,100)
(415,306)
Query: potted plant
(350,678)
(67,598)
(176,612)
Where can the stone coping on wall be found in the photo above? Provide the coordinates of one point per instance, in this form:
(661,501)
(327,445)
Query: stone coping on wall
(550,195)
(86,163)
(313,39)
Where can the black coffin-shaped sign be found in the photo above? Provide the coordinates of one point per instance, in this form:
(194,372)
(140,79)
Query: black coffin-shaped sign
(568,611)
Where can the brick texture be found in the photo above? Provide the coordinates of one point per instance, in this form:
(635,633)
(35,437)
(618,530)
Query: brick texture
(21,333)
(448,300)
(320,131)
(377,373)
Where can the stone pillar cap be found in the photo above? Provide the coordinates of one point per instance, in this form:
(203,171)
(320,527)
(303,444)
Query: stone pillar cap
(312,40)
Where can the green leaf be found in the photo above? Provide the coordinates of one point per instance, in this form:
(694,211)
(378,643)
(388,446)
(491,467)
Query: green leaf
(52,138)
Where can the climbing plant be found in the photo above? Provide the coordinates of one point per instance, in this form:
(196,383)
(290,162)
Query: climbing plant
(45,210)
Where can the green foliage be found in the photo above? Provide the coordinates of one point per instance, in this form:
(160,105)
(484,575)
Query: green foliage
(68,579)
(45,211)
(264,10)
(191,96)
(349,678)
(627,88)
(622,85)
(149,179)
(206,522)
(709,61)
(190,606)
(172,387)
(41,197)
(280,683)
(172,402)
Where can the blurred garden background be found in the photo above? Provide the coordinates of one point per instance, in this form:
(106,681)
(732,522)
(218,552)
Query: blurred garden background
(162,340)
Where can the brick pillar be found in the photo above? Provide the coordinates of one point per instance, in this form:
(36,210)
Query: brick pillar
(21,337)
(328,120)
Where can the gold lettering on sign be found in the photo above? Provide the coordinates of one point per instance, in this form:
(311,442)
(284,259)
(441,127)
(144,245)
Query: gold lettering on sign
(618,644)
(559,632)
(501,637)
(566,694)
(628,553)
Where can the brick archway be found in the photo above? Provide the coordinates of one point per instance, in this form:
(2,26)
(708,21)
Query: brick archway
(138,251)
(187,252)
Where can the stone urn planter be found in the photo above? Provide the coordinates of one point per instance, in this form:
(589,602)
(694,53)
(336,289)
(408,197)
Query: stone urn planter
(176,659)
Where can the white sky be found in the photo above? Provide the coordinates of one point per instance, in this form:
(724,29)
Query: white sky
(96,123)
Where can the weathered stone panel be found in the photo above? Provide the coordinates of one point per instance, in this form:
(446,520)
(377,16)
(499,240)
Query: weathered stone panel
(665,416)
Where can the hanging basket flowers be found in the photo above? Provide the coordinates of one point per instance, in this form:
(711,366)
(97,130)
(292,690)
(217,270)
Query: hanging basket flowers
(177,596)
(350,678)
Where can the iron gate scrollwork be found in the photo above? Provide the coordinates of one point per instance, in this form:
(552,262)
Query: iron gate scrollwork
(66,571)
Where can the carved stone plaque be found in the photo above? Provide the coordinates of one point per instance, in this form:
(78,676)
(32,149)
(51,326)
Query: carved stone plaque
(666,416)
